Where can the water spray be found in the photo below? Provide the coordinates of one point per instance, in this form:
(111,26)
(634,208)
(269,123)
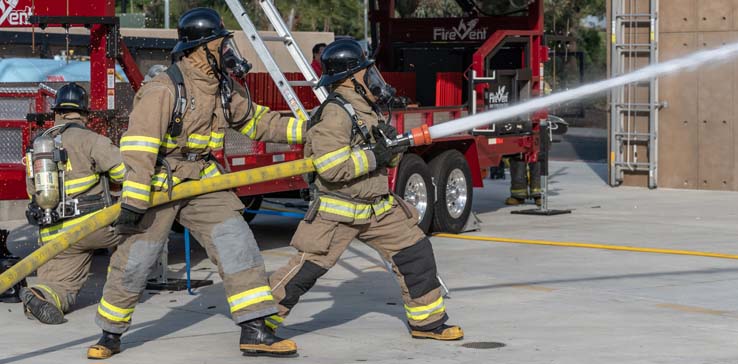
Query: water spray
(424,135)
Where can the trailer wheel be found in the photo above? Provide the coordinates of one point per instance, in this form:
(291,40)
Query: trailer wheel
(452,176)
(251,203)
(414,185)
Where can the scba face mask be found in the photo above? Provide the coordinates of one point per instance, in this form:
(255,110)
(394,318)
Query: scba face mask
(232,63)
(382,91)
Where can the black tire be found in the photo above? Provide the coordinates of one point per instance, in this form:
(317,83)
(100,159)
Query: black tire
(412,165)
(251,203)
(451,218)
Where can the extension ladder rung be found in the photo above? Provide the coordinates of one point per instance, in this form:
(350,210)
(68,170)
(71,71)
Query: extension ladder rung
(276,38)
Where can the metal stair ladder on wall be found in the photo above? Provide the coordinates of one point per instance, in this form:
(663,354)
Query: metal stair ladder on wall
(284,36)
(634,108)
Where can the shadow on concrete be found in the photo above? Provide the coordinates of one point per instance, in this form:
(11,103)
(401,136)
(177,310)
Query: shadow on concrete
(594,279)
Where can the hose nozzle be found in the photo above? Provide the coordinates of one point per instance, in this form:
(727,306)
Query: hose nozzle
(415,137)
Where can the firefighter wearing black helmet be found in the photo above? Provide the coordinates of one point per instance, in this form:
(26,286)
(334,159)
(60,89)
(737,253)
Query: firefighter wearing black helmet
(89,160)
(178,119)
(352,199)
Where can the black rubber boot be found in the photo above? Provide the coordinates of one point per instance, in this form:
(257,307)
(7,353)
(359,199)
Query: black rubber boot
(443,332)
(257,339)
(37,306)
(107,346)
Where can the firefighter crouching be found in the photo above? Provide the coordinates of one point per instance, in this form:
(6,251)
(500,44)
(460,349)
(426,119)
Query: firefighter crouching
(68,171)
(352,197)
(178,119)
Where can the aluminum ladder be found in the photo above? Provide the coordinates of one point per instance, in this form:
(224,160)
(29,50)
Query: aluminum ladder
(634,108)
(285,37)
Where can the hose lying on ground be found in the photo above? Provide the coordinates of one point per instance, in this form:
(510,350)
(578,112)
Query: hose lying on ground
(107,216)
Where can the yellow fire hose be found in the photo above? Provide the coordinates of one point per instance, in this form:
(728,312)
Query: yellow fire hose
(185,190)
(589,246)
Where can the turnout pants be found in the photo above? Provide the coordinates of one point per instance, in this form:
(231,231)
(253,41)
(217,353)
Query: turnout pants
(215,220)
(394,235)
(60,279)
(525,179)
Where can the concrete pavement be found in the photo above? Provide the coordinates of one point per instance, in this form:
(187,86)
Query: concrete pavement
(527,304)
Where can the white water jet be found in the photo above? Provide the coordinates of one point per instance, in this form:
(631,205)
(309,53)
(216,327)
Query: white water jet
(467,123)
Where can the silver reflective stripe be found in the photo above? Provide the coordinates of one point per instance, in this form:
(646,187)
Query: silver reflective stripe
(333,206)
(332,159)
(131,143)
(197,141)
(113,313)
(428,311)
(81,184)
(358,155)
(250,297)
(135,190)
(295,125)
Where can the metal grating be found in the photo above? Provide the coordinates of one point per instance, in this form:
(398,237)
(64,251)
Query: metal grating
(15,108)
(11,145)
(277,148)
(238,144)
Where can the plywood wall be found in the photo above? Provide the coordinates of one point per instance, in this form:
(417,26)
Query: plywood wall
(698,128)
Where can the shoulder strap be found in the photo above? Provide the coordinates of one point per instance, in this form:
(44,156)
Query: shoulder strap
(357,126)
(180,100)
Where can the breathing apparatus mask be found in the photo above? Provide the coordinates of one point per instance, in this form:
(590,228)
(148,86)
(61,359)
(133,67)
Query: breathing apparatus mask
(229,67)
(380,89)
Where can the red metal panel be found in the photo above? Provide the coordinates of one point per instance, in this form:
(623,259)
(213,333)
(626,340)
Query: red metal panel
(16,13)
(448,88)
(404,82)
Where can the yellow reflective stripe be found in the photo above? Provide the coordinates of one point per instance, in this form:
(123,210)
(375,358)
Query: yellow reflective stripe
(346,209)
(139,144)
(114,313)
(421,313)
(356,211)
(197,141)
(135,190)
(118,172)
(210,171)
(169,142)
(216,140)
(361,162)
(332,159)
(294,131)
(383,206)
(250,297)
(160,181)
(273,321)
(51,232)
(51,293)
(250,128)
(80,184)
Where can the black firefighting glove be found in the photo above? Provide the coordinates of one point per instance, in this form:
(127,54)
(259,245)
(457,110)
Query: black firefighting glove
(128,220)
(382,153)
(390,133)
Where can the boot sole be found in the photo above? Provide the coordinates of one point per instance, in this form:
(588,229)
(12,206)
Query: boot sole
(97,352)
(263,350)
(42,310)
(424,335)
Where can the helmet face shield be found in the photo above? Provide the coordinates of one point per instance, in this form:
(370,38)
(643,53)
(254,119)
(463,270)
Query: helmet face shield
(231,60)
(381,90)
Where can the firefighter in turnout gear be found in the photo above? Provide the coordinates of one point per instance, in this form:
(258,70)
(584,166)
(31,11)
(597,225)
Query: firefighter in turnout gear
(178,119)
(89,160)
(352,199)
(525,181)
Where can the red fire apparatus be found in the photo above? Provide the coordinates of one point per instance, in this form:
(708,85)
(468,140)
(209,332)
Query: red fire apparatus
(449,67)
